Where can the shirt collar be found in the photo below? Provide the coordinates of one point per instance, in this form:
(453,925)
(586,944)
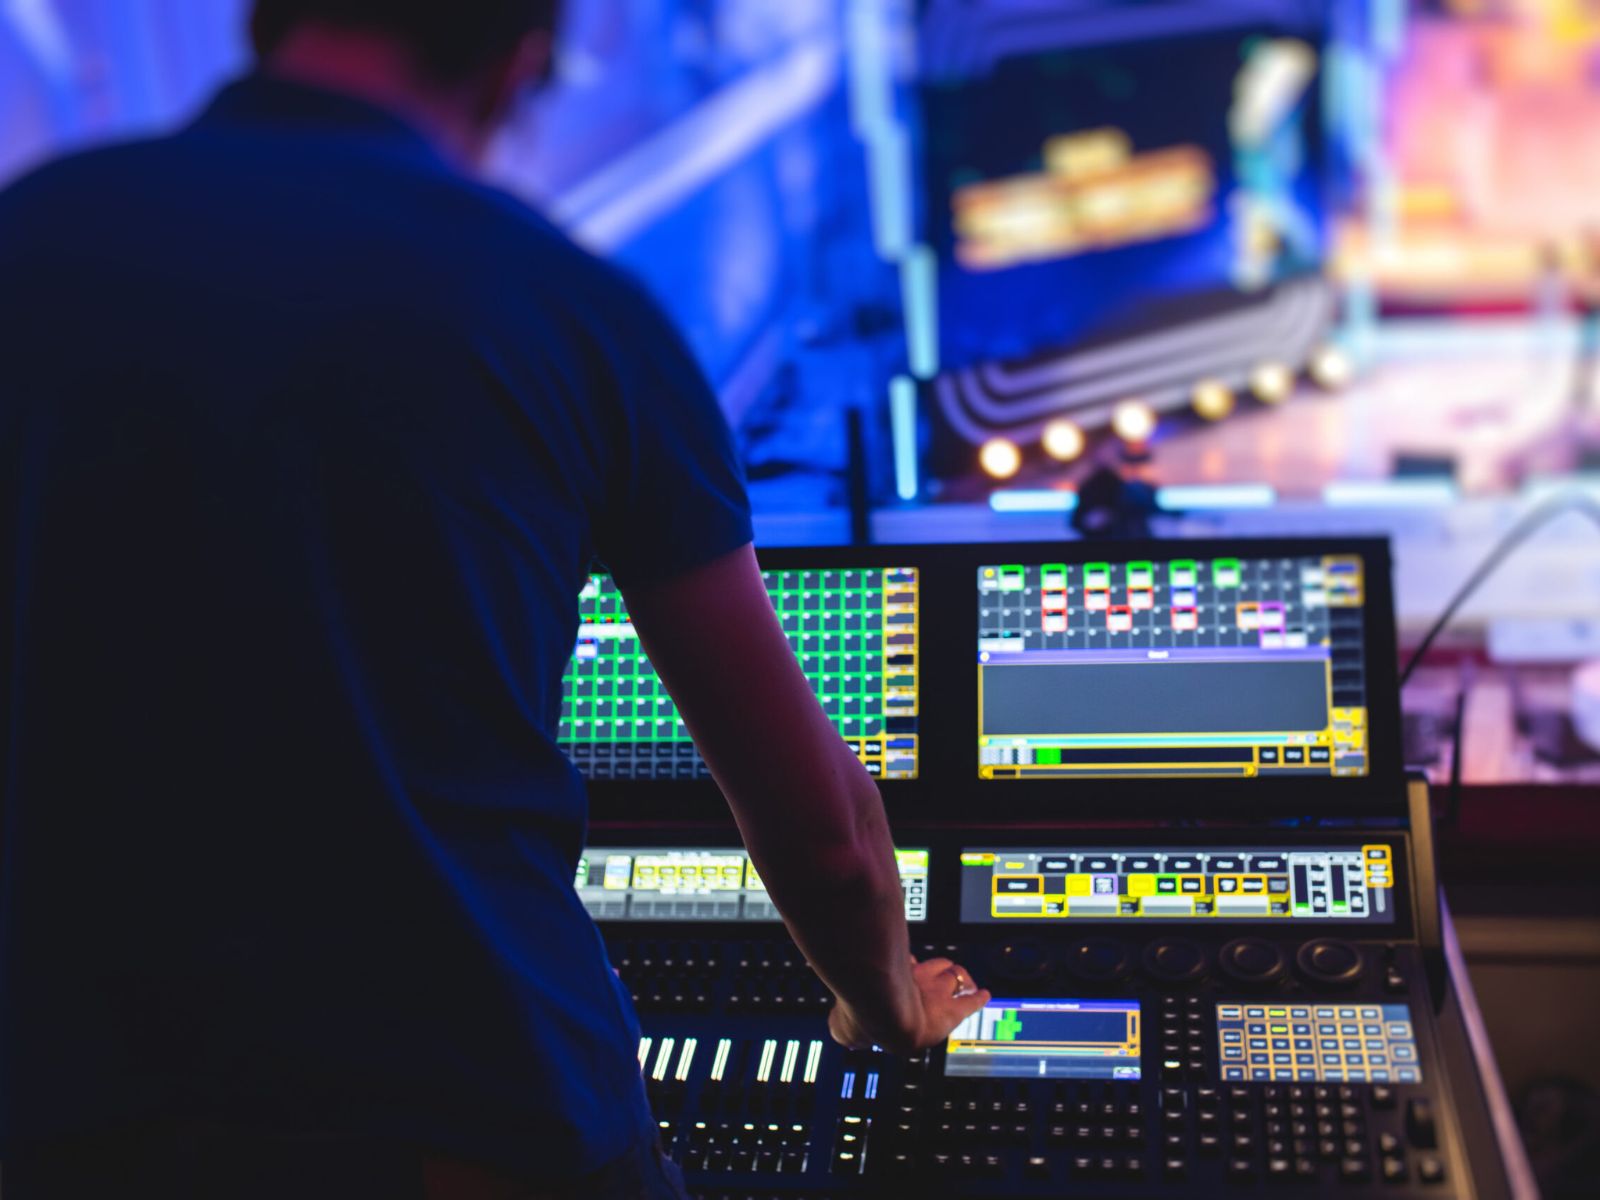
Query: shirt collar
(267,100)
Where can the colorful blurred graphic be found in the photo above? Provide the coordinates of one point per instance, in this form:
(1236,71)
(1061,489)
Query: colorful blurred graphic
(1070,189)
(1489,194)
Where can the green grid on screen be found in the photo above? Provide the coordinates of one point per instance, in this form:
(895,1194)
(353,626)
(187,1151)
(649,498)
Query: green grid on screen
(613,701)
(834,621)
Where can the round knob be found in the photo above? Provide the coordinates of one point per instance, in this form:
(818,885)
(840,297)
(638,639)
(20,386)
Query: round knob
(1023,959)
(1251,960)
(1100,960)
(1176,960)
(1327,960)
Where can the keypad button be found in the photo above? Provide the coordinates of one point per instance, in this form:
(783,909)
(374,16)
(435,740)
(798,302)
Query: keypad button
(1430,1170)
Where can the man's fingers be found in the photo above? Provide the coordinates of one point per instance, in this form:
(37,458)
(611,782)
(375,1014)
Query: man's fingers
(972,1002)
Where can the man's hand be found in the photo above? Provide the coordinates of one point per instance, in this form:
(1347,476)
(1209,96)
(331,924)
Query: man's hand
(947,994)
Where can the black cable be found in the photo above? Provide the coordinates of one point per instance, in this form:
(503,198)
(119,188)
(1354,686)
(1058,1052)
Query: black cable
(1531,523)
(1452,807)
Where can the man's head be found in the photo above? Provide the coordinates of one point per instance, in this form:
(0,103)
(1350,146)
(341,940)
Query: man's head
(456,66)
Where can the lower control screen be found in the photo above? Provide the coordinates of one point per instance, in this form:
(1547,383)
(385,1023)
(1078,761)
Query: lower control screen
(1318,1043)
(1059,1039)
(1172,883)
(676,883)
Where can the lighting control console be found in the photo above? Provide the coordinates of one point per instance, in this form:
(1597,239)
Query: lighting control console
(1176,1020)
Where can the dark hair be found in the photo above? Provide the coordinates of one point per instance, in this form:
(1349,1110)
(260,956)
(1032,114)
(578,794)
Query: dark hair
(452,39)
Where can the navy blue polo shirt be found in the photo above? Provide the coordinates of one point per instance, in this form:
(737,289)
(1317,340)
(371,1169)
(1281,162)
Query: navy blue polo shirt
(307,442)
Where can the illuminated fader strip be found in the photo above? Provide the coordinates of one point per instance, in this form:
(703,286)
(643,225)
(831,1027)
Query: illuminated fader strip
(813,1062)
(686,1059)
(663,1059)
(719,1063)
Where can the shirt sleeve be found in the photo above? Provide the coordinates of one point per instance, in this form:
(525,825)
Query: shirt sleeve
(675,493)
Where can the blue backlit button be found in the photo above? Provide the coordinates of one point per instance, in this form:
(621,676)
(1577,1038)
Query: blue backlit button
(1232,1073)
(1256,1013)
(1404,1053)
(1408,1075)
(1267,863)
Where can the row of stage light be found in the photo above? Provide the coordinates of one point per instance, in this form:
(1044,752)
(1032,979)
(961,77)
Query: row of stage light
(1135,421)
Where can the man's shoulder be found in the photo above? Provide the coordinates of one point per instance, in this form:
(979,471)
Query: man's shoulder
(561,259)
(100,172)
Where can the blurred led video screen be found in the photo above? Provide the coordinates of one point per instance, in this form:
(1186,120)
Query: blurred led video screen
(1075,190)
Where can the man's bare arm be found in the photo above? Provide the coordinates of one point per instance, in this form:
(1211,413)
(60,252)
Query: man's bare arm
(810,814)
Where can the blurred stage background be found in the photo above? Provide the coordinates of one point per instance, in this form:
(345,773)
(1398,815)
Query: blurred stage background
(1294,266)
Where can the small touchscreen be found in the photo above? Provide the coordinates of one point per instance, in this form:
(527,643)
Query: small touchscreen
(1061,1039)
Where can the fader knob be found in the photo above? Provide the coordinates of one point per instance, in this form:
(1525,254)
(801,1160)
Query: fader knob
(1099,960)
(1251,960)
(1329,961)
(1022,959)
(1174,960)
